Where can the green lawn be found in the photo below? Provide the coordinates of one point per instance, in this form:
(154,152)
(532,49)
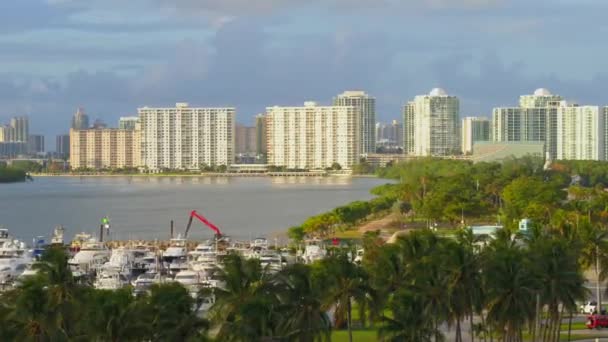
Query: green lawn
(358,336)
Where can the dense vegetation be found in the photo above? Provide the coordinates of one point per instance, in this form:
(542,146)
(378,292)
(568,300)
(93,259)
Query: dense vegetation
(10,174)
(405,291)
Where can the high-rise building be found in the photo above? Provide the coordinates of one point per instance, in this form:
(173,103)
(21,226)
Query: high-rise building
(128,122)
(260,135)
(396,132)
(62,145)
(186,138)
(381,134)
(366,105)
(244,139)
(581,132)
(80,120)
(313,137)
(474,129)
(20,129)
(534,120)
(36,143)
(431,125)
(4,133)
(107,148)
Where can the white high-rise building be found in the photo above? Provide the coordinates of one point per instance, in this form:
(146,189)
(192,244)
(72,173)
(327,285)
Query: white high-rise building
(534,120)
(313,137)
(474,129)
(367,107)
(431,125)
(186,138)
(581,132)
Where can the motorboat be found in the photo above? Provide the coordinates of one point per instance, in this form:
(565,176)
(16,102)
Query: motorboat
(313,251)
(271,262)
(146,280)
(109,279)
(14,259)
(57,238)
(91,257)
(176,250)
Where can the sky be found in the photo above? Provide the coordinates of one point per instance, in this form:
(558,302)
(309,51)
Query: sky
(113,56)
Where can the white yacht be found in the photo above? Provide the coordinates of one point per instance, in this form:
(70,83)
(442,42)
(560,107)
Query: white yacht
(110,279)
(271,262)
(57,238)
(146,280)
(176,249)
(313,251)
(14,259)
(91,256)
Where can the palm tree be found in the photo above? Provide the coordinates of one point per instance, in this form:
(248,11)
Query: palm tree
(562,280)
(117,316)
(344,281)
(464,280)
(302,314)
(510,288)
(245,295)
(594,252)
(410,320)
(171,315)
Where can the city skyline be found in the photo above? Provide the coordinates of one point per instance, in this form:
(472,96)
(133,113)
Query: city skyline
(234,53)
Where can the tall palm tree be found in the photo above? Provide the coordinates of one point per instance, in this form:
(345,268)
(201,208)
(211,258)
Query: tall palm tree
(464,279)
(562,280)
(245,289)
(510,288)
(302,314)
(594,252)
(410,321)
(344,281)
(171,314)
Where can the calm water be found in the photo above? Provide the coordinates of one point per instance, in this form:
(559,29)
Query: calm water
(142,207)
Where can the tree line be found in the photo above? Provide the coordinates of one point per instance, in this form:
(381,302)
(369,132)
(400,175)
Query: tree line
(502,289)
(10,174)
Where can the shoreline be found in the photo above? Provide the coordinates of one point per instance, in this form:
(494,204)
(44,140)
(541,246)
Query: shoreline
(203,175)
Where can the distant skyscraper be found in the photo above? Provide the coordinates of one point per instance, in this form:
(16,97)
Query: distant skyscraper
(80,120)
(474,129)
(4,132)
(62,145)
(99,124)
(260,135)
(187,138)
(367,107)
(581,132)
(128,122)
(244,139)
(20,129)
(313,137)
(36,143)
(431,125)
(396,133)
(534,120)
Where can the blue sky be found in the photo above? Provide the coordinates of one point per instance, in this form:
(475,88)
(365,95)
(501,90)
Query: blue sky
(112,56)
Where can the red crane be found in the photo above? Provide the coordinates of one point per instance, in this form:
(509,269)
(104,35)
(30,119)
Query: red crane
(201,218)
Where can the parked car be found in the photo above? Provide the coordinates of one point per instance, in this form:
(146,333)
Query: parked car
(589,307)
(597,321)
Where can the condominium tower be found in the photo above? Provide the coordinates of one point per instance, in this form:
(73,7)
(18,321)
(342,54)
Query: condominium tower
(260,135)
(474,129)
(431,125)
(312,136)
(366,105)
(106,148)
(62,145)
(244,139)
(186,138)
(534,120)
(581,132)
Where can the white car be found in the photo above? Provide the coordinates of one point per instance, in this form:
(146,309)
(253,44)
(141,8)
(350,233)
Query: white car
(588,307)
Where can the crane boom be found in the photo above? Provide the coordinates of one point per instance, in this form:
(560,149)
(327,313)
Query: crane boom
(206,222)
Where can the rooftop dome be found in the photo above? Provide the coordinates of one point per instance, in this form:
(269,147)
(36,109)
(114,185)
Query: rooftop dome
(542,92)
(438,92)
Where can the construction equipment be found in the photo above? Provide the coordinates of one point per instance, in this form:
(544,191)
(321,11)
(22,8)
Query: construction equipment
(206,222)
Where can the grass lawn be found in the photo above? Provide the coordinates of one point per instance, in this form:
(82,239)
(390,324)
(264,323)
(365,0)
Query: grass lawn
(358,335)
(575,326)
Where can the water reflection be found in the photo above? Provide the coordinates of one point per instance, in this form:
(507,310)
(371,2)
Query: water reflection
(299,180)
